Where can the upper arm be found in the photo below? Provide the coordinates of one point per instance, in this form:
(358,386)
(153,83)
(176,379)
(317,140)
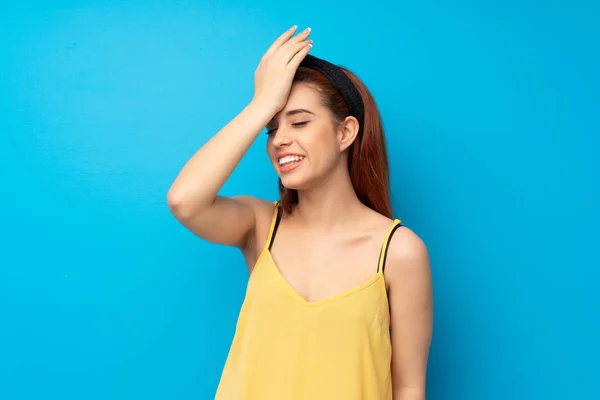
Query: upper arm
(408,276)
(230,221)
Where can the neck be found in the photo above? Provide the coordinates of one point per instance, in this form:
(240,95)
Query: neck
(330,203)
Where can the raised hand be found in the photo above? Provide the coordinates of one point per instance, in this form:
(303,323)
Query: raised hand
(275,72)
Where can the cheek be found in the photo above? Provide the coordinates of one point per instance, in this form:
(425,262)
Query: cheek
(322,150)
(321,138)
(270,150)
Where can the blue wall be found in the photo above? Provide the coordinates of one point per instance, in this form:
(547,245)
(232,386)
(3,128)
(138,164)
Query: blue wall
(492,115)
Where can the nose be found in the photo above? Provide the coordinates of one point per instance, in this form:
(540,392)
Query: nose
(281,139)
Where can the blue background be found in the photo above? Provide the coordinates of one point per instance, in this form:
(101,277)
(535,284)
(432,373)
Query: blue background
(492,116)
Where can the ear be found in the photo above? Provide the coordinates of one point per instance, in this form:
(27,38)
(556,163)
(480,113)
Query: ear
(347,132)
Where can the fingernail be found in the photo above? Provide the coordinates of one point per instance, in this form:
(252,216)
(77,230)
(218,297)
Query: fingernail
(307,29)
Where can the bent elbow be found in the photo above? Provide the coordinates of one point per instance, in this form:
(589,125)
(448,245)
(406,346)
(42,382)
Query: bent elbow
(177,204)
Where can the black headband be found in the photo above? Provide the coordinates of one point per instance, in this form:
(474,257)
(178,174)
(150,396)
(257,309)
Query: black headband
(342,83)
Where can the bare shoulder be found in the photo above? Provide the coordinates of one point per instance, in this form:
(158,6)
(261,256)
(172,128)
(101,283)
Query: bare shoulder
(263,215)
(410,296)
(407,257)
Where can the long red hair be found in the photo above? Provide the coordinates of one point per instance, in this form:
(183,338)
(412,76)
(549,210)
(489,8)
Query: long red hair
(367,156)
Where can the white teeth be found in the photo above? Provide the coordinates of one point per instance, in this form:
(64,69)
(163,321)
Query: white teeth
(288,159)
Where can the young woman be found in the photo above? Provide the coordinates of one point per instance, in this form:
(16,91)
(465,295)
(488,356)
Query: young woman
(336,284)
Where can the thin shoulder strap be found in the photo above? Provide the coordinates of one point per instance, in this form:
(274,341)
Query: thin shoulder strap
(274,225)
(384,247)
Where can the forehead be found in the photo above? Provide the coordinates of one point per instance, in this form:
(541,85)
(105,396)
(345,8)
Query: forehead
(302,95)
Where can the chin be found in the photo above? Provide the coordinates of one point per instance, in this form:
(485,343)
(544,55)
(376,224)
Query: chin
(294,183)
(295,180)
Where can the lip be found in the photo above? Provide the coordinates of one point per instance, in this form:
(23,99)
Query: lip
(288,168)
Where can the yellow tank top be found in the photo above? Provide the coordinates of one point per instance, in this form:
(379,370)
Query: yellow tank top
(286,348)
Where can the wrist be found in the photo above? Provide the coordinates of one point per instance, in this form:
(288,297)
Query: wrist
(262,109)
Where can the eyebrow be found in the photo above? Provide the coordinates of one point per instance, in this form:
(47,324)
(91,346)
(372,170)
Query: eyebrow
(298,111)
(294,112)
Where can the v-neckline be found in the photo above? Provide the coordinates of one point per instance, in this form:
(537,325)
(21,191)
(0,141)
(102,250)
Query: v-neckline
(305,302)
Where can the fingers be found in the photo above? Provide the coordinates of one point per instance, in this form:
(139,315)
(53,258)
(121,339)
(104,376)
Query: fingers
(290,52)
(285,36)
(293,46)
(299,37)
(300,55)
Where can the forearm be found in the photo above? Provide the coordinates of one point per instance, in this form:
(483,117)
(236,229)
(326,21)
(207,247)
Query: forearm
(205,173)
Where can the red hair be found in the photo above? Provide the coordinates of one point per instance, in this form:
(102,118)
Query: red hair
(367,155)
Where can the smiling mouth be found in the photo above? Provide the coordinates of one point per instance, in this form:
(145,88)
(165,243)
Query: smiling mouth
(288,163)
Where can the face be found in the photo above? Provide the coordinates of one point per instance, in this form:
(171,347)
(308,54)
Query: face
(304,143)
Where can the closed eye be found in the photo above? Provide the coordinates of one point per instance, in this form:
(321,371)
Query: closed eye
(302,123)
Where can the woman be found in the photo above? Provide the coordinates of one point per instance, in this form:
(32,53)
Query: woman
(335,283)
